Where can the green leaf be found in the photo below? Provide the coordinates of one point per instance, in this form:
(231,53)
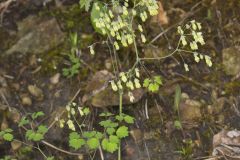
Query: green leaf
(119,118)
(178,124)
(42,129)
(114,139)
(76,143)
(105,114)
(95,14)
(93,143)
(106,123)
(86,111)
(89,134)
(128,119)
(37,137)
(99,135)
(110,131)
(85,3)
(8,137)
(23,121)
(109,146)
(74,135)
(146,82)
(8,130)
(177,98)
(37,114)
(29,134)
(122,132)
(158,80)
(153,87)
(50,158)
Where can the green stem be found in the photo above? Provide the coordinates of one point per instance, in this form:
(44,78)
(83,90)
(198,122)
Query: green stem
(120,102)
(119,151)
(120,113)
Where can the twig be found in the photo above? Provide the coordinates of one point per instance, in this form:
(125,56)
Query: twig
(146,109)
(101,153)
(59,149)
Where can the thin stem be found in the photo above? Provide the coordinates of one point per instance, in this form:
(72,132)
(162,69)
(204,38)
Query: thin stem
(119,151)
(59,149)
(120,102)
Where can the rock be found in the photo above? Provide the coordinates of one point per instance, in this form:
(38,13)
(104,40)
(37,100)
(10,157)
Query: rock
(16,145)
(35,91)
(14,115)
(190,110)
(26,100)
(100,93)
(37,35)
(4,124)
(231,60)
(226,143)
(55,78)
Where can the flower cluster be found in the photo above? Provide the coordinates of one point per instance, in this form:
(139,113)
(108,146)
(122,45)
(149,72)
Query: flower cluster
(191,36)
(117,21)
(131,82)
(192,29)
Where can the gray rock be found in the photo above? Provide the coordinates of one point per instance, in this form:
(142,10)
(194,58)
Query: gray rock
(36,92)
(231,60)
(37,35)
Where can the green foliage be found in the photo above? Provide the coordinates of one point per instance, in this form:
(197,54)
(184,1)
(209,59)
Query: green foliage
(23,121)
(111,144)
(7,158)
(75,141)
(152,84)
(35,115)
(109,139)
(108,123)
(122,132)
(97,8)
(74,68)
(85,4)
(38,135)
(177,124)
(93,143)
(50,158)
(7,134)
(72,56)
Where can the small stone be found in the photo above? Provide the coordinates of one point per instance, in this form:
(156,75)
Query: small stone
(14,115)
(35,91)
(190,110)
(231,60)
(55,79)
(4,124)
(16,145)
(184,96)
(16,86)
(26,101)
(81,157)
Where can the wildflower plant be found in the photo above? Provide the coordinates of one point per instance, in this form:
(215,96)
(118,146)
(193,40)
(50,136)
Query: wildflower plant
(191,38)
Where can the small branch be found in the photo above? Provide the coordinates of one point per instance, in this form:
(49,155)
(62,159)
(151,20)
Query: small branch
(59,149)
